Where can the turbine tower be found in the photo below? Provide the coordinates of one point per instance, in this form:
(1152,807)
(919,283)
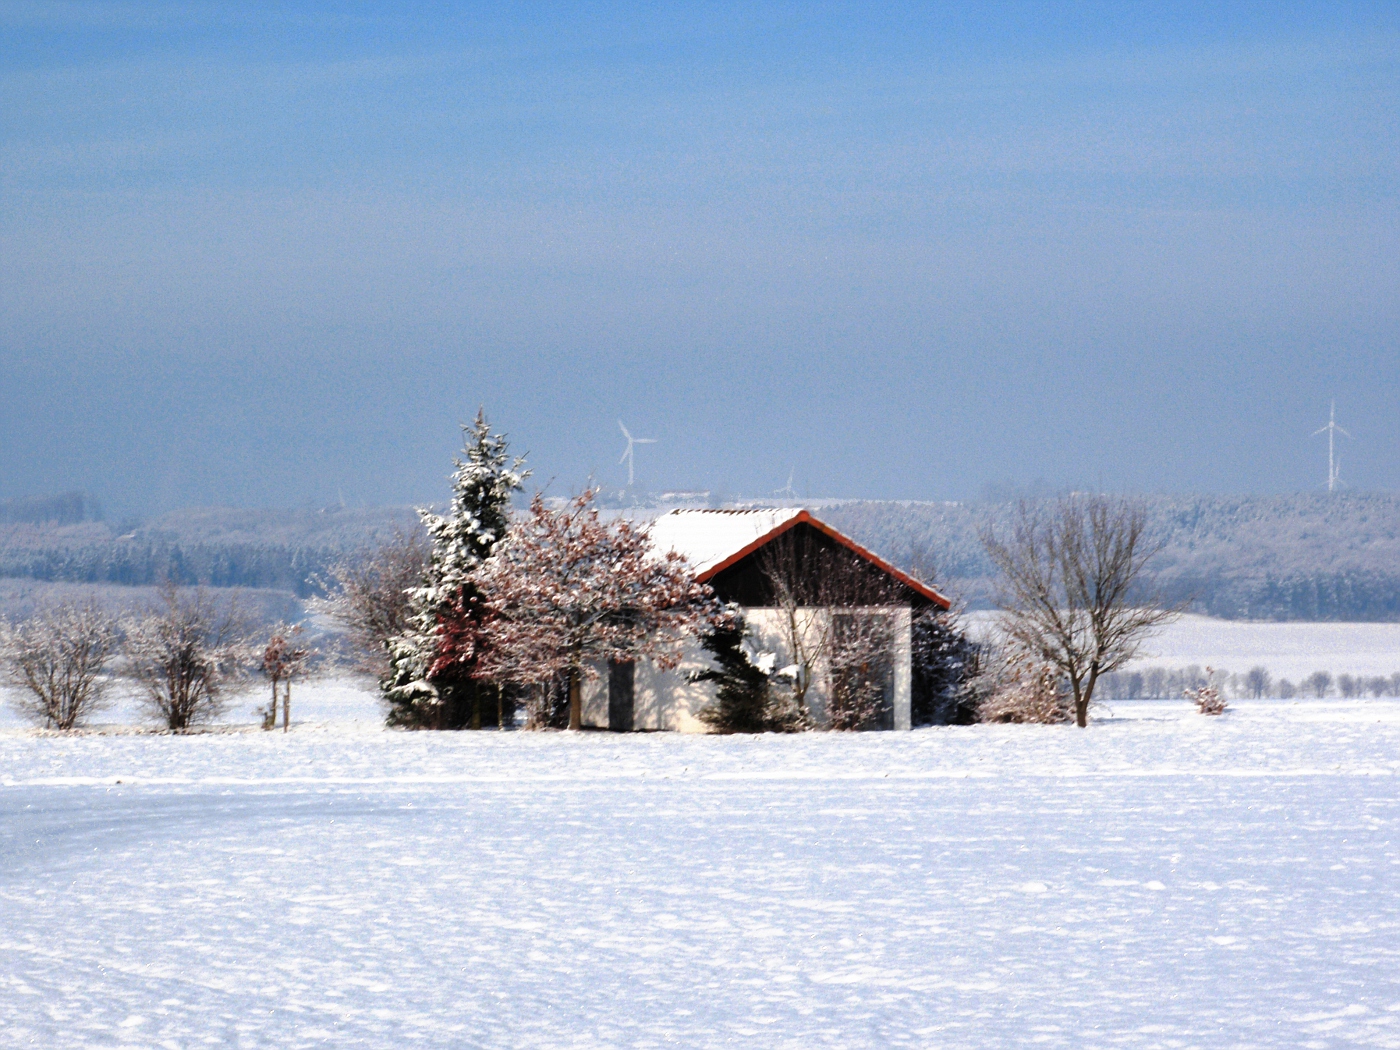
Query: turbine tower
(787,491)
(1332,430)
(627,453)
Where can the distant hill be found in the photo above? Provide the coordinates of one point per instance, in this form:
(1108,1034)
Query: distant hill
(1296,557)
(1299,557)
(220,547)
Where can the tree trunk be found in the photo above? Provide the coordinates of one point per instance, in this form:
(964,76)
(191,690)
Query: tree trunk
(575,699)
(476,705)
(1082,700)
(286,705)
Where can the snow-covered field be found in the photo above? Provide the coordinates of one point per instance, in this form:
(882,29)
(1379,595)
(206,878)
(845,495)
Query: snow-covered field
(1288,650)
(1162,879)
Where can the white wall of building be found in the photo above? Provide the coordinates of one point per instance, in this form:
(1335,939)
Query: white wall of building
(668,700)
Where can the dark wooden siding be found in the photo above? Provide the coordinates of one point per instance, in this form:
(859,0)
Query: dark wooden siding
(808,551)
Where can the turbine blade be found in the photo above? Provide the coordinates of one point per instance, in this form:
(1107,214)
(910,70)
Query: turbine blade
(1341,430)
(644,441)
(1319,430)
(625,432)
(626,454)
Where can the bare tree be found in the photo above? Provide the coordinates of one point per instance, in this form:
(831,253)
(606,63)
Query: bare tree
(862,645)
(833,611)
(1318,683)
(182,653)
(369,596)
(567,593)
(1257,682)
(56,658)
(1074,587)
(283,658)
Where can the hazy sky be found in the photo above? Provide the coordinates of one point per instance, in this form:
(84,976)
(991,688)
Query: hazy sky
(267,256)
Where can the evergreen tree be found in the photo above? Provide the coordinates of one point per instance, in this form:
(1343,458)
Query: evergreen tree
(945,661)
(742,693)
(430,684)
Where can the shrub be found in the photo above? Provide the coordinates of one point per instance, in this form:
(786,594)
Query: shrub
(1207,698)
(57,658)
(1024,690)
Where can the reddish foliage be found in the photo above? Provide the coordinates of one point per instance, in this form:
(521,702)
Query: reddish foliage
(568,592)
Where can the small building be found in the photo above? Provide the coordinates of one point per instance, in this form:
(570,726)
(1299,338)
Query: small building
(805,591)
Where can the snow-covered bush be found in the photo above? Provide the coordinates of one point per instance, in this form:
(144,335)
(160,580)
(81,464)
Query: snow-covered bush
(1207,697)
(1015,687)
(56,660)
(861,673)
(183,654)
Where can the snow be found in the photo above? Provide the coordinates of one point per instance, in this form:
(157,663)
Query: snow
(1161,879)
(1288,650)
(707,537)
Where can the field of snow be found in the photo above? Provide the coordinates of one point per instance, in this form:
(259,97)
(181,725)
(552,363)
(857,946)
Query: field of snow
(1161,879)
(1288,650)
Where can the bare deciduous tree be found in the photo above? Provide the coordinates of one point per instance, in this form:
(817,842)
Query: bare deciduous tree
(370,597)
(832,610)
(1074,587)
(183,653)
(56,659)
(569,592)
(1318,683)
(1258,682)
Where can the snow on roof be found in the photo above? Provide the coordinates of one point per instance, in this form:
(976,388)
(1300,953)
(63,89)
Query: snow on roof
(709,537)
(712,540)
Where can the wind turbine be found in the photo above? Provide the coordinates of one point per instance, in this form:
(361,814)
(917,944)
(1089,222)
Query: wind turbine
(1334,466)
(627,453)
(787,491)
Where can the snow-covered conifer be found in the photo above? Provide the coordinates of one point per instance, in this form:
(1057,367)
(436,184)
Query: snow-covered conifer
(433,660)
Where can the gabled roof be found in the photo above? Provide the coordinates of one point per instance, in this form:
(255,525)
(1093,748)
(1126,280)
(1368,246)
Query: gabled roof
(713,540)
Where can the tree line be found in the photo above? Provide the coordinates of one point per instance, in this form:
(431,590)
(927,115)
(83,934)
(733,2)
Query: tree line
(1158,683)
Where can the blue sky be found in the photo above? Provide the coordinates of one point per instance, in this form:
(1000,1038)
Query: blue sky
(271,255)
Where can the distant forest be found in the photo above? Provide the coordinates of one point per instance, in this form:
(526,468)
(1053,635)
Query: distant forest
(1300,557)
(287,550)
(1297,557)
